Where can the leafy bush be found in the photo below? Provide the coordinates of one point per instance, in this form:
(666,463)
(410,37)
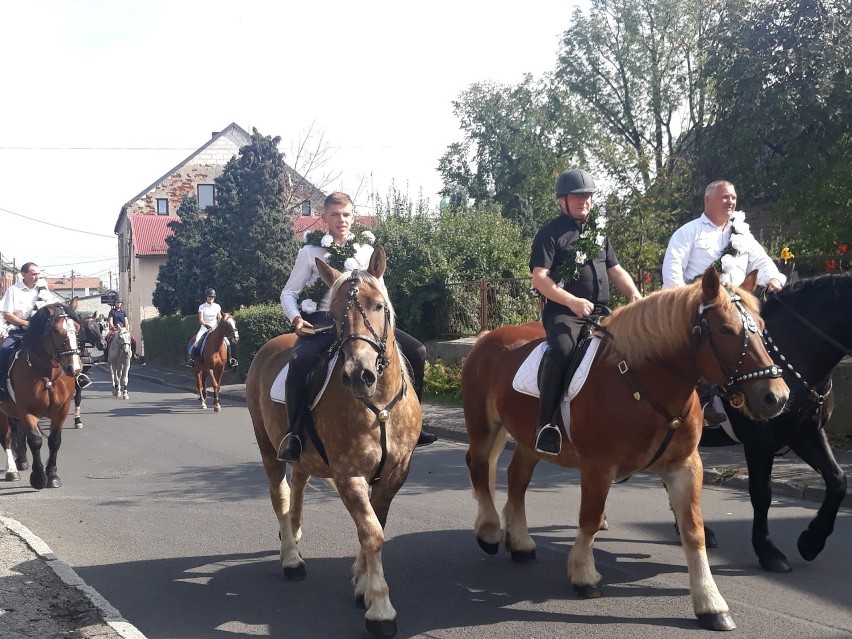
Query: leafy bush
(442,382)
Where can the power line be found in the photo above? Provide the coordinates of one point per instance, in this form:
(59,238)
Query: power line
(64,228)
(97,148)
(103,259)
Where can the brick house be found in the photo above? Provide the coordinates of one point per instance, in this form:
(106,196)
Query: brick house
(142,225)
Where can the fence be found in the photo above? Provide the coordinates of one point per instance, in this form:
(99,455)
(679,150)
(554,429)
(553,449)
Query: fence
(480,305)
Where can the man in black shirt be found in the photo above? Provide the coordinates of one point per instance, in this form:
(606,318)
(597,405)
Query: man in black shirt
(572,263)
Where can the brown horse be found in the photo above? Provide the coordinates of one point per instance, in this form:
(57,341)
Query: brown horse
(213,359)
(367,421)
(42,379)
(637,411)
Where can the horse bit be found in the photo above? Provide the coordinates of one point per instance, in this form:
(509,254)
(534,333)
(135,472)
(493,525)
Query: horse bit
(702,328)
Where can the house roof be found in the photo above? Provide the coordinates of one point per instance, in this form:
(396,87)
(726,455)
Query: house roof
(150,233)
(233,128)
(64,283)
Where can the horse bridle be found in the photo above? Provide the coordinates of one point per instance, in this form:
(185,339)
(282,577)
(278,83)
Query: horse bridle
(59,353)
(380,344)
(701,328)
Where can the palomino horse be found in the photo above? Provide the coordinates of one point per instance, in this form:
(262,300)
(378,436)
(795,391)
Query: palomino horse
(119,355)
(637,411)
(213,359)
(367,421)
(42,383)
(808,331)
(93,331)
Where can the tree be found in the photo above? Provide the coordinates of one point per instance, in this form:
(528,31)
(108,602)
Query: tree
(251,238)
(782,94)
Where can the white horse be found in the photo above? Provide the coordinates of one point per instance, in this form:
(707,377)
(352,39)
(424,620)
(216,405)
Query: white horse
(119,355)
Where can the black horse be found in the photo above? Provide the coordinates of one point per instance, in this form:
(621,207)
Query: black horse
(93,332)
(808,332)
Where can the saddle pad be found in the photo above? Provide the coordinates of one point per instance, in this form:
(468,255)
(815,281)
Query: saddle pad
(277,392)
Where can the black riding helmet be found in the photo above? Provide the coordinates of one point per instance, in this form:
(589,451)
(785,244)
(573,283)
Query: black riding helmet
(574,181)
(210,292)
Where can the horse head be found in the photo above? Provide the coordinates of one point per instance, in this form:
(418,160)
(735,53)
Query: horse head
(364,319)
(733,356)
(53,333)
(95,331)
(229,326)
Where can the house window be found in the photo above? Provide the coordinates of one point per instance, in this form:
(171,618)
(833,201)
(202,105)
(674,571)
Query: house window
(306,208)
(162,206)
(206,195)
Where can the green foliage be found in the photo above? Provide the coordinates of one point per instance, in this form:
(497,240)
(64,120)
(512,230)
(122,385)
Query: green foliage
(257,325)
(167,338)
(442,382)
(426,252)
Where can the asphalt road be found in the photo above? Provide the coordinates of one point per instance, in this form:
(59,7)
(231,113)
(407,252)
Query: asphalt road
(164,511)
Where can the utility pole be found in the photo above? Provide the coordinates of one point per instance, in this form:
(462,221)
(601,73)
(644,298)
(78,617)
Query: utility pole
(72,282)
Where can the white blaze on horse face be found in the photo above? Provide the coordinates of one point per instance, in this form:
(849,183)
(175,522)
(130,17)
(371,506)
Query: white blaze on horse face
(233,324)
(71,334)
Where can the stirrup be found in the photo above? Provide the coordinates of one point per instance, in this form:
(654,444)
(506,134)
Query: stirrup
(233,363)
(548,439)
(290,449)
(83,380)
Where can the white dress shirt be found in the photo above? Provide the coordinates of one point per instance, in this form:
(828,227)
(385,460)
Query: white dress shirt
(305,273)
(699,243)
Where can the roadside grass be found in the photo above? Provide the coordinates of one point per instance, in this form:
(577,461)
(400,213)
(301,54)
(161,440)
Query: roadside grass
(442,383)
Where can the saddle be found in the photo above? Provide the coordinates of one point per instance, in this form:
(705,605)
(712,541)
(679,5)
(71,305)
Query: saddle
(317,380)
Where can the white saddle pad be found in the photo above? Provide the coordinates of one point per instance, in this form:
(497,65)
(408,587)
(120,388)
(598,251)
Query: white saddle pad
(276,393)
(526,379)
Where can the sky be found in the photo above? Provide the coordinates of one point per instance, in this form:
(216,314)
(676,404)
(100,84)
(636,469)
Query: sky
(99,98)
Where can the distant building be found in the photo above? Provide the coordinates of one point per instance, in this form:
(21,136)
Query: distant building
(68,287)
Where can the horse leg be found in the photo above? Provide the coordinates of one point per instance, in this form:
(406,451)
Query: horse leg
(201,385)
(518,540)
(298,482)
(594,488)
(486,444)
(78,399)
(114,374)
(684,489)
(125,378)
(759,460)
(12,473)
(813,448)
(38,478)
(380,616)
(19,444)
(54,441)
(215,382)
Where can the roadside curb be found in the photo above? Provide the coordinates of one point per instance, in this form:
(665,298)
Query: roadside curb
(66,573)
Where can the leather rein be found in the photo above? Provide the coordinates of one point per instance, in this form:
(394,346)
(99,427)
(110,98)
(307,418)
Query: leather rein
(380,344)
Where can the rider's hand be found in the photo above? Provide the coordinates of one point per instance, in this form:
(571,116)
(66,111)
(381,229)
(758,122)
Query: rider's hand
(773,286)
(298,323)
(581,307)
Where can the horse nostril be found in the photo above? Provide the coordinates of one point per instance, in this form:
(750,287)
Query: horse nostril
(368,378)
(771,399)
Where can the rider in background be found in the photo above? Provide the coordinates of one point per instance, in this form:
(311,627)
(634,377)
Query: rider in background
(116,319)
(209,315)
(20,301)
(572,263)
(311,318)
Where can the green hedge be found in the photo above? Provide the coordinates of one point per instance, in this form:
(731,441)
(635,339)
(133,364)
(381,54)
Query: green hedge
(166,338)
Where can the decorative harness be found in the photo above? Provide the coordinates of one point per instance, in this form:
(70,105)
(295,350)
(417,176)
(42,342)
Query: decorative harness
(380,344)
(59,353)
(701,328)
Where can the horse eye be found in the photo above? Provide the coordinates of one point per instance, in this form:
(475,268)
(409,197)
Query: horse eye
(727,330)
(379,306)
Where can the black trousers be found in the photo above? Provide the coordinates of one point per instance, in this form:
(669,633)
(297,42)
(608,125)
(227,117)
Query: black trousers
(563,331)
(308,348)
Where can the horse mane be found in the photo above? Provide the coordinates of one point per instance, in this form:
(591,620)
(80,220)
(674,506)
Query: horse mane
(660,324)
(363,277)
(830,289)
(40,320)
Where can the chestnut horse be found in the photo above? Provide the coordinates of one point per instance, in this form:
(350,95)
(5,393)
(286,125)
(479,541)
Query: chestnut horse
(213,359)
(368,420)
(42,379)
(637,411)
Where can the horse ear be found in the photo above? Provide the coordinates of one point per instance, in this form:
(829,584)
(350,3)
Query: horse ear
(710,284)
(329,274)
(378,261)
(750,282)
(73,303)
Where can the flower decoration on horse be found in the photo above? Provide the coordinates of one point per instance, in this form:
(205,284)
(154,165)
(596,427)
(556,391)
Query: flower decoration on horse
(734,259)
(338,256)
(588,247)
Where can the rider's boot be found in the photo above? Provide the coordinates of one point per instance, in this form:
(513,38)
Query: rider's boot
(232,362)
(426,437)
(548,437)
(4,370)
(290,449)
(706,395)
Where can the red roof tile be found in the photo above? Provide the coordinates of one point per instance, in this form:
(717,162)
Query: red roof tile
(150,233)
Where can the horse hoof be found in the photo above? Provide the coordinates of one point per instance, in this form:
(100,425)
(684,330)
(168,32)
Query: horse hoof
(38,482)
(360,603)
(716,621)
(810,545)
(604,525)
(295,573)
(13,475)
(54,483)
(588,592)
(78,422)
(217,408)
(491,549)
(523,556)
(776,564)
(22,464)
(385,628)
